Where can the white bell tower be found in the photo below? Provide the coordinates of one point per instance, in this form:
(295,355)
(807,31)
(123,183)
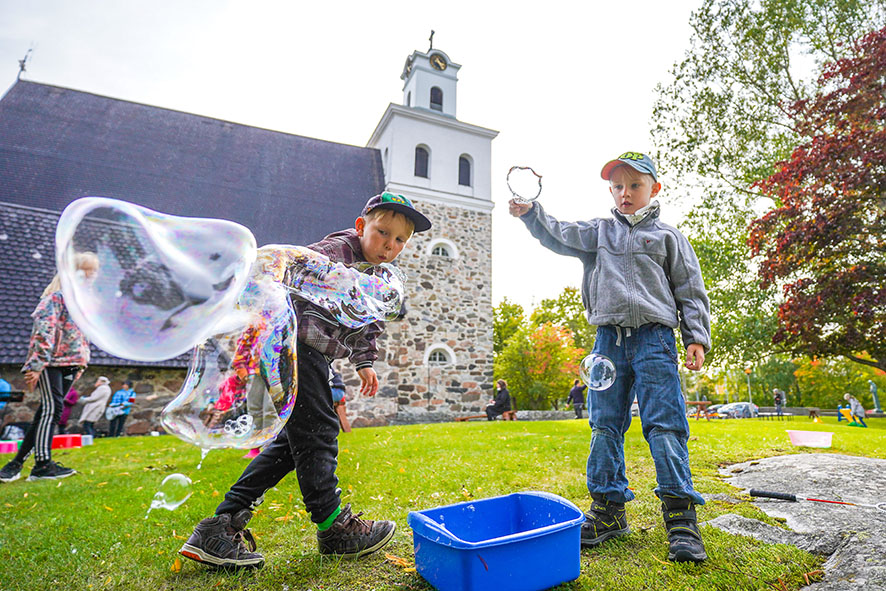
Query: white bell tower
(438,358)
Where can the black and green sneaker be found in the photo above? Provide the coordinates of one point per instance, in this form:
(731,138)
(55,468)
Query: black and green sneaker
(684,539)
(352,537)
(606,520)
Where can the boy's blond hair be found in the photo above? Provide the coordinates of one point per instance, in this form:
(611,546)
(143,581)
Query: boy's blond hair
(383,212)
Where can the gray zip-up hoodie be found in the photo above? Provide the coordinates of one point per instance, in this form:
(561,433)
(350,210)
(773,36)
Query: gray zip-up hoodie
(633,274)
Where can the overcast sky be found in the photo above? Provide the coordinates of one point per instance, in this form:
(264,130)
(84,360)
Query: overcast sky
(568,85)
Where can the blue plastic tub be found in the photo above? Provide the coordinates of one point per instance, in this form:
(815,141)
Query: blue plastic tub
(525,541)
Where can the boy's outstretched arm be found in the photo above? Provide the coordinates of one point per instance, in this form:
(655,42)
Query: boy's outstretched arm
(694,356)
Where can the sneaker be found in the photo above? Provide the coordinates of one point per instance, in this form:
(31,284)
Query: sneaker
(50,471)
(352,537)
(606,520)
(11,471)
(684,539)
(221,541)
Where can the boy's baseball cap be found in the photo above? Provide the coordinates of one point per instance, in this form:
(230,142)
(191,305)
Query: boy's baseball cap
(400,204)
(638,161)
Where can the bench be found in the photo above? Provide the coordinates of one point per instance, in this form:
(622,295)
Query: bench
(508,415)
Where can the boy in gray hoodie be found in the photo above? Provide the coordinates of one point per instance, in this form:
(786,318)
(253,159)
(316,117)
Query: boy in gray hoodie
(641,280)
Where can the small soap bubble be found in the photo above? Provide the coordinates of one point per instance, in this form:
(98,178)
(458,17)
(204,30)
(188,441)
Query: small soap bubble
(174,490)
(597,371)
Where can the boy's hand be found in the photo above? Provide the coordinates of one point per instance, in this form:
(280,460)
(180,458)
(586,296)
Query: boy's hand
(518,209)
(694,356)
(368,381)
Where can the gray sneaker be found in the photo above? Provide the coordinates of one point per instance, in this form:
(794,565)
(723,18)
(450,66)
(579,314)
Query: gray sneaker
(50,471)
(352,537)
(221,541)
(11,471)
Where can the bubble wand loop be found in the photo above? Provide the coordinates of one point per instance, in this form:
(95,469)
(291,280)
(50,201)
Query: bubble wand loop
(517,196)
(796,498)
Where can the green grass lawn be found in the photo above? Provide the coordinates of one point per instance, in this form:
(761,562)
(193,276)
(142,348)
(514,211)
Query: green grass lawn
(90,532)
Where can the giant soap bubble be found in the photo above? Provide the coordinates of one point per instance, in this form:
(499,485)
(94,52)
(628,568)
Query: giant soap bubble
(170,284)
(163,281)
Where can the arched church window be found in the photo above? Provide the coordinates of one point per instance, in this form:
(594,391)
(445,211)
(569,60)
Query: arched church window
(436,98)
(464,171)
(439,354)
(438,357)
(442,247)
(421,161)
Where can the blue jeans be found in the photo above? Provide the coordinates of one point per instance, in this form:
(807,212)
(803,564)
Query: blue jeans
(646,368)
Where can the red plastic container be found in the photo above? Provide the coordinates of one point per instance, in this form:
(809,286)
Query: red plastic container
(66,441)
(8,447)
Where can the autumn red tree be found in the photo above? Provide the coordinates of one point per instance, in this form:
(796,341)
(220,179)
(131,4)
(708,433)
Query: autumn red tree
(825,241)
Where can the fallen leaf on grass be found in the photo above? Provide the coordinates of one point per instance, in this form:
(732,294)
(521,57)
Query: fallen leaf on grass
(399,561)
(108,508)
(286,517)
(124,474)
(101,484)
(176,565)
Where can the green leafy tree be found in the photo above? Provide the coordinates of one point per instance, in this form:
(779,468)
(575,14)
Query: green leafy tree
(567,310)
(826,240)
(507,319)
(539,364)
(722,123)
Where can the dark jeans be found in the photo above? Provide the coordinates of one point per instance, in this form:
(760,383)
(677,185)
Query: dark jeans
(89,428)
(578,407)
(115,426)
(52,386)
(307,444)
(492,412)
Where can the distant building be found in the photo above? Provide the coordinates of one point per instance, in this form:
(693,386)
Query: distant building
(59,144)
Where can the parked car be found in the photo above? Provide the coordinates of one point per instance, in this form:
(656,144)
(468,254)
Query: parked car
(738,410)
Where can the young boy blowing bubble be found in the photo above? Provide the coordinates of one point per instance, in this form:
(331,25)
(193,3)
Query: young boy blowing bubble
(308,443)
(641,280)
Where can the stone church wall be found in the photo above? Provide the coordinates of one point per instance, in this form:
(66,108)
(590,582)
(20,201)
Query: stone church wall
(449,303)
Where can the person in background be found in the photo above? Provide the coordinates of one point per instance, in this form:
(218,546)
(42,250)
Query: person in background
(94,405)
(4,387)
(778,399)
(577,398)
(123,399)
(57,355)
(501,403)
(855,409)
(69,403)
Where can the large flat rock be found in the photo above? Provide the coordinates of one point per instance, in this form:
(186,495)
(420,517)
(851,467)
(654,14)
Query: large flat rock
(853,538)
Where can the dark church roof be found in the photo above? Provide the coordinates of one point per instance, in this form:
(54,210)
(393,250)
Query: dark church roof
(58,144)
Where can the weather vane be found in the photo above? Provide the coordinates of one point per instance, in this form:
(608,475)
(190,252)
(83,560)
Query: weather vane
(431,39)
(23,63)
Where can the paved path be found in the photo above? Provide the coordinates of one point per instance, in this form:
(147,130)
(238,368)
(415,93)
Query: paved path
(853,538)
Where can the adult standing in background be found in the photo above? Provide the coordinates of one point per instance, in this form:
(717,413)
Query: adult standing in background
(778,398)
(57,355)
(121,404)
(94,406)
(577,398)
